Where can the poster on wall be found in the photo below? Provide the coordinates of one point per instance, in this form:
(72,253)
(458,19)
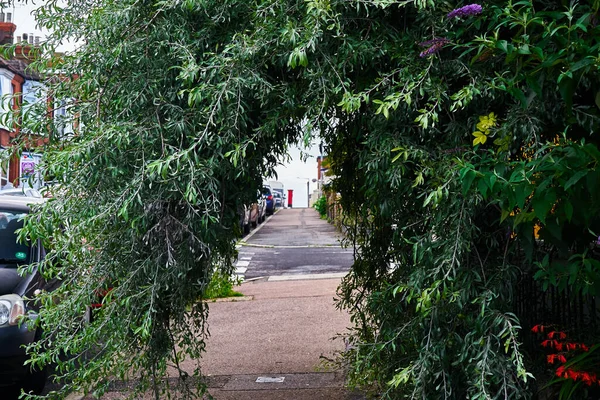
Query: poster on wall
(30,174)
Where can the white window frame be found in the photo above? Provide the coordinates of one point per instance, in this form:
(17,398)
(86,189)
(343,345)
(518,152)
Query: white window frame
(4,172)
(6,93)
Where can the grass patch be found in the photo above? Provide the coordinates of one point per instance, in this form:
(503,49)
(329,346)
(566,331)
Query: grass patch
(221,286)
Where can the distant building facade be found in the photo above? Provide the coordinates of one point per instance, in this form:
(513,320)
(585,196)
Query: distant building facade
(20,87)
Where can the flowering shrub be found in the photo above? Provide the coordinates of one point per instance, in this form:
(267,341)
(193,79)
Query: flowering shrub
(465,11)
(576,362)
(433,46)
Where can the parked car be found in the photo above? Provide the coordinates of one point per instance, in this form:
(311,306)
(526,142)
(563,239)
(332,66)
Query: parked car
(14,292)
(258,210)
(270,200)
(278,200)
(21,192)
(244,214)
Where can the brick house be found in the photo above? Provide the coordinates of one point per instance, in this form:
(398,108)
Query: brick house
(17,81)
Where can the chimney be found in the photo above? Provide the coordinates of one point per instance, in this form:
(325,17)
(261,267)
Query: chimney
(37,40)
(8,17)
(18,39)
(31,38)
(6,29)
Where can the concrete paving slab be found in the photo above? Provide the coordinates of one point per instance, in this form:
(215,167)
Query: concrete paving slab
(264,290)
(273,335)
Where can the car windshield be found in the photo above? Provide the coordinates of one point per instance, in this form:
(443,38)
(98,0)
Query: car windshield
(11,252)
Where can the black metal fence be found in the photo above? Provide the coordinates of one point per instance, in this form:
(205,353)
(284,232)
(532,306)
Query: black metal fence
(576,314)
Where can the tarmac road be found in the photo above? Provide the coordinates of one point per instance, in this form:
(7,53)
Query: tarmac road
(294,242)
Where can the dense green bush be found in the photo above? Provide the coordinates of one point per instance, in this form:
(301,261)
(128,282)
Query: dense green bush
(321,206)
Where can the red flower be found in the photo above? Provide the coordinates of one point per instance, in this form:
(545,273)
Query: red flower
(588,378)
(558,346)
(584,347)
(570,374)
(537,328)
(550,358)
(561,358)
(560,372)
(549,343)
(559,335)
(571,346)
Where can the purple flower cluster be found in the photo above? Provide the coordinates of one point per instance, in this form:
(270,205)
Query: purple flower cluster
(433,46)
(471,9)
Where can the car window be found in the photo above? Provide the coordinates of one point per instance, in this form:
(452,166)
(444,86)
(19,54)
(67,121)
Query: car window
(266,191)
(11,252)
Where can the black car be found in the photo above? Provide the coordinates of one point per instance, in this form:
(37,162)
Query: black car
(14,292)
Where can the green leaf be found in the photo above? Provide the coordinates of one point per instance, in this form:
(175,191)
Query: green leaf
(582,63)
(502,45)
(482,187)
(524,49)
(467,181)
(542,203)
(568,208)
(574,179)
(519,95)
(521,193)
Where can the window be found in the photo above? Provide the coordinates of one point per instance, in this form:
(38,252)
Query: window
(4,168)
(34,107)
(11,252)
(63,119)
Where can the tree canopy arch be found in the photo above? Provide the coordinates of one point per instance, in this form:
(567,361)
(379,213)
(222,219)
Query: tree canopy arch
(461,125)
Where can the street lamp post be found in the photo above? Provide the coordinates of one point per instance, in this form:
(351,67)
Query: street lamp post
(307,189)
(307,194)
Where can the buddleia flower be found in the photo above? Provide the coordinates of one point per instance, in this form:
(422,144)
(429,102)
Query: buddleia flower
(433,46)
(465,11)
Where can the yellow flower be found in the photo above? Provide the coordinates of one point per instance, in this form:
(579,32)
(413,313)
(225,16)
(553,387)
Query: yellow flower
(480,137)
(486,122)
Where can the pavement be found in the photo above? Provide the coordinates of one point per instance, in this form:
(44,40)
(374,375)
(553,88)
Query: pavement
(276,343)
(286,331)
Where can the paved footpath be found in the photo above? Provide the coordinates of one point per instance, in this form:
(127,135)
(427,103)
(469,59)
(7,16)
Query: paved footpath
(285,331)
